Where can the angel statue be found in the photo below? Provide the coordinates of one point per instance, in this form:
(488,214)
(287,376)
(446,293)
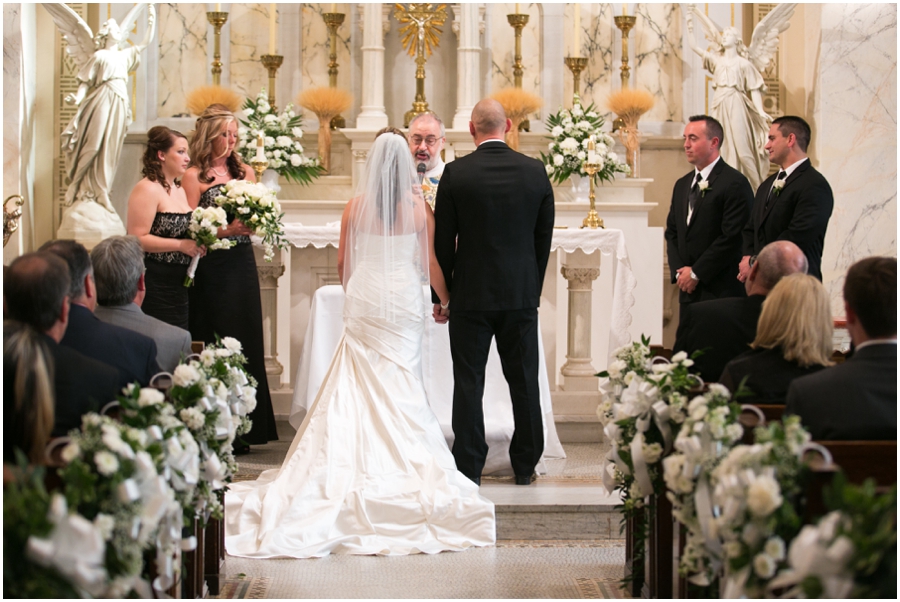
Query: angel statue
(737,79)
(92,142)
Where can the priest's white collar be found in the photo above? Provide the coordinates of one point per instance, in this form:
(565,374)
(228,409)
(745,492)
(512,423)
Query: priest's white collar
(437,171)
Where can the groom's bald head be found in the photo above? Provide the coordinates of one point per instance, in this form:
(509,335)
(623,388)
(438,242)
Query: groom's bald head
(488,120)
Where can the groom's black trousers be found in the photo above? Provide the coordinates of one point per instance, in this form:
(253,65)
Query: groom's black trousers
(517,334)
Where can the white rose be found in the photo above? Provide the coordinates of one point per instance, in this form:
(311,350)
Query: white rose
(185,375)
(106,463)
(70,452)
(652,452)
(577,111)
(763,496)
(549,169)
(208,357)
(558,160)
(732,549)
(150,397)
(775,548)
(581,155)
(764,565)
(297,132)
(296,160)
(284,141)
(698,413)
(679,357)
(232,343)
(615,368)
(270,141)
(583,125)
(612,157)
(263,107)
(556,132)
(224,352)
(719,390)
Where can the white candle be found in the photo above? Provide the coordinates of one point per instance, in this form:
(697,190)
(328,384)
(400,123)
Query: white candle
(624,9)
(218,7)
(271,29)
(260,149)
(333,8)
(517,8)
(577,51)
(592,157)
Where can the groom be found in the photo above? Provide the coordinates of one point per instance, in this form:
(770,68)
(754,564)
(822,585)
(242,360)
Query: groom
(494,217)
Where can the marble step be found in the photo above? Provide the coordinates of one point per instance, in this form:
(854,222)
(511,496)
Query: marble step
(557,521)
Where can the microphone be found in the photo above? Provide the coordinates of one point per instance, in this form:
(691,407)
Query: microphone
(420,169)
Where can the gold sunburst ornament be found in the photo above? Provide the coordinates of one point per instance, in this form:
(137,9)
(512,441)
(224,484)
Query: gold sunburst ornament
(420,31)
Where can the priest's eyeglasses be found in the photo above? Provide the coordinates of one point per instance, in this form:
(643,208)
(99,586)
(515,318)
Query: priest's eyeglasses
(430,141)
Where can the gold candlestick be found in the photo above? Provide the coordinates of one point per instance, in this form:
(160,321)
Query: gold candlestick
(625,23)
(333,21)
(420,30)
(272,62)
(259,163)
(518,22)
(217,19)
(576,65)
(591,168)
(11,218)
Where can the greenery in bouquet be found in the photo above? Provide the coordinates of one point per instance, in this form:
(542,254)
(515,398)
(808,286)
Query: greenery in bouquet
(110,479)
(29,524)
(709,430)
(203,229)
(850,553)
(256,206)
(281,133)
(756,490)
(570,130)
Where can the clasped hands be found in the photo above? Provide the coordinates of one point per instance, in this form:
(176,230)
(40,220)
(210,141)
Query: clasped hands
(440,314)
(684,280)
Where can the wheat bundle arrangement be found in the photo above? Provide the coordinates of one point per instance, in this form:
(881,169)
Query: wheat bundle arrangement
(200,98)
(326,103)
(629,104)
(518,105)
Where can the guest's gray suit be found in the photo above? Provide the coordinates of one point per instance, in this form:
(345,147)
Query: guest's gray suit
(171,342)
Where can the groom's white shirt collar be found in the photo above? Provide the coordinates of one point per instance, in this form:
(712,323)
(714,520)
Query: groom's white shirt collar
(492,140)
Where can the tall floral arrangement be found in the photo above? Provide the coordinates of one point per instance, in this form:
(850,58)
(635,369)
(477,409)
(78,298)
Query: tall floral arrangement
(281,133)
(570,130)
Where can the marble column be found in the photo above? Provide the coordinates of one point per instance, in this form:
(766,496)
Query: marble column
(468,25)
(374,23)
(580,270)
(268,293)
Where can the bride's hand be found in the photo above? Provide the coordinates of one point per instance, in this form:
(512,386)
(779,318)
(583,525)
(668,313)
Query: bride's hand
(438,314)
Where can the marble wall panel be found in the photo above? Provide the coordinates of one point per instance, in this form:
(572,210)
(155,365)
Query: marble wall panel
(503,47)
(855,134)
(315,48)
(597,39)
(249,40)
(656,64)
(181,32)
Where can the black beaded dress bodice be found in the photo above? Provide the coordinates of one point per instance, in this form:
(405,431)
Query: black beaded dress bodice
(208,199)
(170,225)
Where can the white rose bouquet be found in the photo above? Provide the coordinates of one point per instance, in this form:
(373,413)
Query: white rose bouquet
(755,494)
(256,206)
(224,362)
(281,134)
(570,131)
(203,228)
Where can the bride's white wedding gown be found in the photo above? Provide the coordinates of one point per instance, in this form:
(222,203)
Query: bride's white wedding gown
(369,471)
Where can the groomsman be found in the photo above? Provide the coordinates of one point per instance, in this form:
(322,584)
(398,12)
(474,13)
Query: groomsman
(426,141)
(492,232)
(709,207)
(794,204)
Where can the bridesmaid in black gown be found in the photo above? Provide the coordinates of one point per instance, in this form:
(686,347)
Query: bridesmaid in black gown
(225,300)
(159,214)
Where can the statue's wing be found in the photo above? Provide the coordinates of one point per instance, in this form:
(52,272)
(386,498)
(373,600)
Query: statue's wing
(764,43)
(79,37)
(710,29)
(129,21)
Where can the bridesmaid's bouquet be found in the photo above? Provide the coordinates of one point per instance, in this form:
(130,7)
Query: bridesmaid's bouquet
(204,226)
(256,206)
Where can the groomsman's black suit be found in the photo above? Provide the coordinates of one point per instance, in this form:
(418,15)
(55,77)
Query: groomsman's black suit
(494,218)
(856,400)
(799,213)
(132,353)
(711,243)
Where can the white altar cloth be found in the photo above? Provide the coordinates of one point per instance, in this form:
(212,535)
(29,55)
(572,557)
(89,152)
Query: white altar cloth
(324,333)
(609,242)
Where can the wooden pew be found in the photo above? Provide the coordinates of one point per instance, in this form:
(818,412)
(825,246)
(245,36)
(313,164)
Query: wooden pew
(193,573)
(214,554)
(633,570)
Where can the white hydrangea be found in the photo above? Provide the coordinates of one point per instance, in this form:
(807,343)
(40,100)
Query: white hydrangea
(192,418)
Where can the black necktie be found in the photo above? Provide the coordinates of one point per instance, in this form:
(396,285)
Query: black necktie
(781,176)
(694,195)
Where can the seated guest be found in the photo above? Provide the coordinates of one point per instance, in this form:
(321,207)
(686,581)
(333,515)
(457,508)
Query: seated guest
(857,400)
(724,328)
(27,392)
(119,272)
(793,338)
(132,353)
(35,292)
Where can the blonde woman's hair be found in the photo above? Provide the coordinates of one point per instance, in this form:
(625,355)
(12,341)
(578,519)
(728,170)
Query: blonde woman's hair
(28,385)
(796,316)
(211,123)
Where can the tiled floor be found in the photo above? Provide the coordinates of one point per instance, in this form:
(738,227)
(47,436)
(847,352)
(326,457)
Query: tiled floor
(512,569)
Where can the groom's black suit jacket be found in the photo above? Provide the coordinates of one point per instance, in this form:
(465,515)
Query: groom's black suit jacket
(799,213)
(494,218)
(711,243)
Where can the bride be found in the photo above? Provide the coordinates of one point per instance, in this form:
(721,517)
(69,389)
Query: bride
(369,471)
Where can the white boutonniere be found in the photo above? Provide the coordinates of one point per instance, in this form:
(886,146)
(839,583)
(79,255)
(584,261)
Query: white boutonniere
(703,185)
(777,186)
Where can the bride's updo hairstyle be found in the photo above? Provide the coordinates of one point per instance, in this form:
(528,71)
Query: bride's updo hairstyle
(159,140)
(211,123)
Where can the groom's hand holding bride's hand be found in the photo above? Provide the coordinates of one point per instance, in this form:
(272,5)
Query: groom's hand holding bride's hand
(441,315)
